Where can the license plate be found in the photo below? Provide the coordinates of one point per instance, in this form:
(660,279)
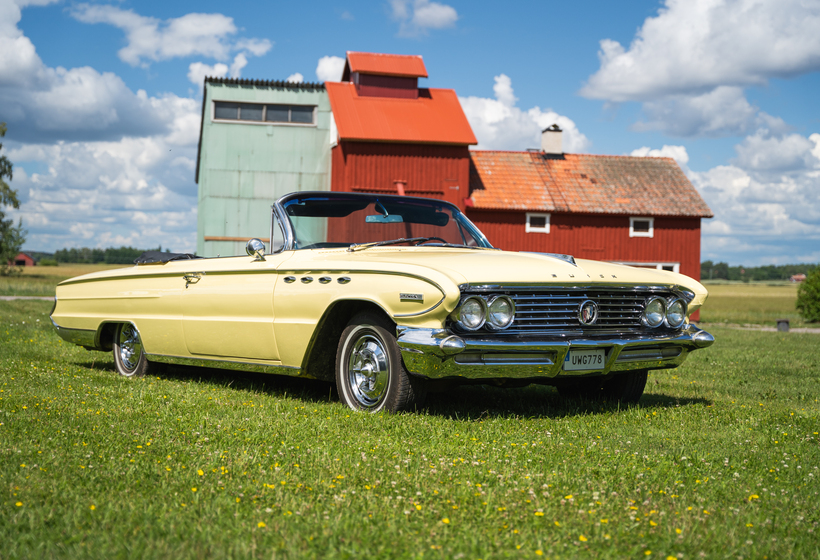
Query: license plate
(585,359)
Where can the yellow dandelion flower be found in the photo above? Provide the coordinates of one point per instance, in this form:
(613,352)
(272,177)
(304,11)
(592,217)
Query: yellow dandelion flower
(679,531)
(19,504)
(569,497)
(647,552)
(445,521)
(539,514)
(604,520)
(582,538)
(557,524)
(418,507)
(261,525)
(539,552)
(200,472)
(653,523)
(193,489)
(238,500)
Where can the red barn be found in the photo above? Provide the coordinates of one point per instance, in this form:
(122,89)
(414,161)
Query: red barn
(23,259)
(394,136)
(633,210)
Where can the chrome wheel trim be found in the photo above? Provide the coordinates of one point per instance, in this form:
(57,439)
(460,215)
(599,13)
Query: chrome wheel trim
(368,370)
(130,347)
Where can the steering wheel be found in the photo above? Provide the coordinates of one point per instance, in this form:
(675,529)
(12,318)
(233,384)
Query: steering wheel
(422,242)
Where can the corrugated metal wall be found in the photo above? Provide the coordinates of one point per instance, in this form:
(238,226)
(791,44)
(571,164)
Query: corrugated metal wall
(432,171)
(597,236)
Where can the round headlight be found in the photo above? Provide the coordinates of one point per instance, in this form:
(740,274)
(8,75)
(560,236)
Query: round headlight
(472,313)
(501,312)
(653,312)
(675,313)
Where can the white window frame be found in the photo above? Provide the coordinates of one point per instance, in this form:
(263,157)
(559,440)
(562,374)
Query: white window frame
(534,229)
(675,266)
(313,124)
(633,233)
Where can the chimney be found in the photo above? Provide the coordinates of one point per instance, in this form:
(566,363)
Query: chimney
(551,141)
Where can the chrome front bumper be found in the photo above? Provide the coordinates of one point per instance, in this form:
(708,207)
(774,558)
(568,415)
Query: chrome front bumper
(438,353)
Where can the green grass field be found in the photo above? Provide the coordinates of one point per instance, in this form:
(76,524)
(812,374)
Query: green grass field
(42,280)
(761,304)
(719,460)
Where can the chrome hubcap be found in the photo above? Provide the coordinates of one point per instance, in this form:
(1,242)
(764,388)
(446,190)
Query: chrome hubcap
(130,347)
(368,371)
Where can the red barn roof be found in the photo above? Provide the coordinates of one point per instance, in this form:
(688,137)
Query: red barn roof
(436,117)
(583,183)
(407,66)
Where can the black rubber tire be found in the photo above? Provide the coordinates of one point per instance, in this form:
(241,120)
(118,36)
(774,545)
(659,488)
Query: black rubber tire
(589,389)
(626,387)
(129,356)
(370,335)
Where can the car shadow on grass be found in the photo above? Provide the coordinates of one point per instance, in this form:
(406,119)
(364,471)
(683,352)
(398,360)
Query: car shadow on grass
(462,403)
(478,402)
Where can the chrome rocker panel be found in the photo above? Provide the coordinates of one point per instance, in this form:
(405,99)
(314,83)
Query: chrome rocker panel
(438,354)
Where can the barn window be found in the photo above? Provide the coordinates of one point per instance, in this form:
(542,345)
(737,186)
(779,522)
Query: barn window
(538,223)
(641,227)
(272,114)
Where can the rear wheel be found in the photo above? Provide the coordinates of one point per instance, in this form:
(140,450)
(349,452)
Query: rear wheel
(129,357)
(370,374)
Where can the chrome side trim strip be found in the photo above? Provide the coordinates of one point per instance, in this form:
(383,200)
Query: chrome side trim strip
(226,364)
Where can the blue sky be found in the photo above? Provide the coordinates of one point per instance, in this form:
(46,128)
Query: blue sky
(102,99)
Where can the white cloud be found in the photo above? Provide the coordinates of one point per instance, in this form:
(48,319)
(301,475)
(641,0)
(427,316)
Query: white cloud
(198,71)
(678,153)
(764,152)
(689,64)
(295,78)
(417,17)
(330,68)
(724,110)
(96,164)
(239,62)
(499,125)
(767,199)
(693,46)
(151,39)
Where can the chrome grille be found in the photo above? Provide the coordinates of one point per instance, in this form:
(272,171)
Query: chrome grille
(551,310)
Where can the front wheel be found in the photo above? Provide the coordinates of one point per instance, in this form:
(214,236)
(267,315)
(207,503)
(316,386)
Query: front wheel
(370,374)
(129,357)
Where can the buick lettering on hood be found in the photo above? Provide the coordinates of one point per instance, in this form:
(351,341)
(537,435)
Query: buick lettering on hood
(390,297)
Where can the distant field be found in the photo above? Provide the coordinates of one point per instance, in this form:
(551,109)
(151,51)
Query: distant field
(761,304)
(43,280)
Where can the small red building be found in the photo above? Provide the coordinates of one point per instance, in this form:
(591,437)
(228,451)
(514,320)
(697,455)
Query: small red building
(23,259)
(394,136)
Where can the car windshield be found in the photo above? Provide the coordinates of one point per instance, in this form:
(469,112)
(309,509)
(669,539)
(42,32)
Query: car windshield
(363,221)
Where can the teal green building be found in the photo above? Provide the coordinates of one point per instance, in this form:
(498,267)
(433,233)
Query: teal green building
(258,141)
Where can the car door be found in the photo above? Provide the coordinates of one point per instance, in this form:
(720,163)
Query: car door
(227,307)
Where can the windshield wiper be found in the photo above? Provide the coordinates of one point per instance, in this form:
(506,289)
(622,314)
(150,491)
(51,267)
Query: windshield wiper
(416,240)
(358,246)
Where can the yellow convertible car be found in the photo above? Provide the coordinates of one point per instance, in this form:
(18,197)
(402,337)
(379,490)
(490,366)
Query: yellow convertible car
(391,296)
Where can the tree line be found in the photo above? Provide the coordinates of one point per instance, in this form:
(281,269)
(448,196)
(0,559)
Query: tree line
(111,255)
(722,271)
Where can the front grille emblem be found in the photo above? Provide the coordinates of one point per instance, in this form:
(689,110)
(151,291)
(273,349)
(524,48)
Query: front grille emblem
(588,313)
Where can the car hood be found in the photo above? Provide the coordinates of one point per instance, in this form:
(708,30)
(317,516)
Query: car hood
(475,266)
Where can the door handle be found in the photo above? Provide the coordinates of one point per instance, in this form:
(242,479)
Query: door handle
(193,278)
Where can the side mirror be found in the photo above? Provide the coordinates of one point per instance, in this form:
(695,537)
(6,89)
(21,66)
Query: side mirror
(255,248)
